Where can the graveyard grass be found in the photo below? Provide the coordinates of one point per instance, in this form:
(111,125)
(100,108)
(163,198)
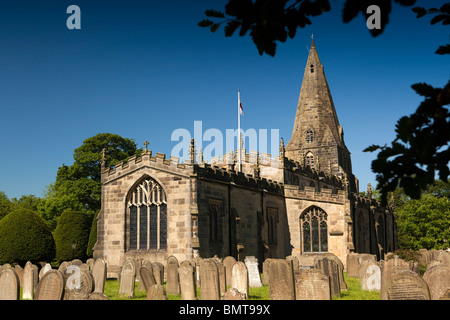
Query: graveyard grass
(353,292)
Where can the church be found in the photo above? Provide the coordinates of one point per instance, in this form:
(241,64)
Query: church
(305,200)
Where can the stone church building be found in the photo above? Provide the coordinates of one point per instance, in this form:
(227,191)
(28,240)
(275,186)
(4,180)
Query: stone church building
(305,200)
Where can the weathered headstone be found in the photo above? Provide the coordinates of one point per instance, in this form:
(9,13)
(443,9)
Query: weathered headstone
(19,272)
(352,265)
(9,284)
(407,285)
(295,263)
(156,292)
(51,286)
(438,280)
(234,294)
(370,276)
(330,268)
(99,273)
(390,267)
(239,278)
(158,272)
(312,284)
(172,283)
(28,282)
(222,277)
(80,285)
(127,278)
(47,267)
(228,263)
(186,274)
(446,295)
(266,272)
(98,296)
(146,275)
(254,278)
(209,278)
(281,280)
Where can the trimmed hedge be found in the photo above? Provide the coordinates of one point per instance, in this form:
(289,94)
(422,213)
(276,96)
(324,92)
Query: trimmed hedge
(24,236)
(72,226)
(92,236)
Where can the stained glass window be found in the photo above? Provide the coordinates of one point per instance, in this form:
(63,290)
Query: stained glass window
(147,212)
(314,233)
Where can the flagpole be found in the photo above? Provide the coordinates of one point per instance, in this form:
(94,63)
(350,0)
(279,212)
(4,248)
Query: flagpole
(239,131)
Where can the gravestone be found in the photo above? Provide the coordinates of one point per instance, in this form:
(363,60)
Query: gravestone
(312,284)
(99,273)
(158,272)
(186,274)
(222,277)
(239,278)
(47,267)
(234,294)
(266,272)
(90,263)
(146,275)
(254,278)
(390,267)
(228,263)
(340,270)
(370,276)
(156,292)
(98,296)
(281,280)
(407,285)
(63,267)
(28,282)
(81,287)
(127,278)
(51,286)
(438,280)
(330,268)
(9,284)
(209,279)
(172,283)
(19,272)
(446,295)
(352,265)
(295,263)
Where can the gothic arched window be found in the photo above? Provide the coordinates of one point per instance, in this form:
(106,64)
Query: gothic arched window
(314,230)
(309,136)
(147,213)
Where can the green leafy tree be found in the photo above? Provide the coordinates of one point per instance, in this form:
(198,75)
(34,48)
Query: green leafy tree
(5,204)
(425,222)
(24,236)
(77,187)
(73,228)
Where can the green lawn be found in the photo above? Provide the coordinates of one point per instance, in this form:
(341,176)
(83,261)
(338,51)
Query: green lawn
(353,292)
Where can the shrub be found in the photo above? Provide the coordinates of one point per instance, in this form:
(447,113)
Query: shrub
(92,236)
(72,227)
(24,236)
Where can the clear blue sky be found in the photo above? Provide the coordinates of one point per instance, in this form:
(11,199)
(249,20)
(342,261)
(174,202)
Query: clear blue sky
(142,69)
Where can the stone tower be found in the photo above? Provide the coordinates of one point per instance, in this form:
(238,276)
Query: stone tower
(317,137)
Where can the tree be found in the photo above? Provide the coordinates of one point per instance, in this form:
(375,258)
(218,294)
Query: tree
(77,187)
(425,223)
(24,236)
(421,148)
(5,204)
(73,228)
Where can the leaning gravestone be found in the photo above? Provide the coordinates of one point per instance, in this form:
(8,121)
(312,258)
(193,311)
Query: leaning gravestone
(146,275)
(239,278)
(172,283)
(312,284)
(222,277)
(158,272)
(9,284)
(370,276)
(390,267)
(99,274)
(281,280)
(209,279)
(47,267)
(407,285)
(127,278)
(228,263)
(186,274)
(438,280)
(51,286)
(28,282)
(254,278)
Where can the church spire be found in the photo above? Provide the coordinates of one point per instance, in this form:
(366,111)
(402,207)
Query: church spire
(316,125)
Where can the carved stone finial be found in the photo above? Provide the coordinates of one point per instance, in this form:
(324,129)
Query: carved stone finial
(192,152)
(200,155)
(282,149)
(369,191)
(146,145)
